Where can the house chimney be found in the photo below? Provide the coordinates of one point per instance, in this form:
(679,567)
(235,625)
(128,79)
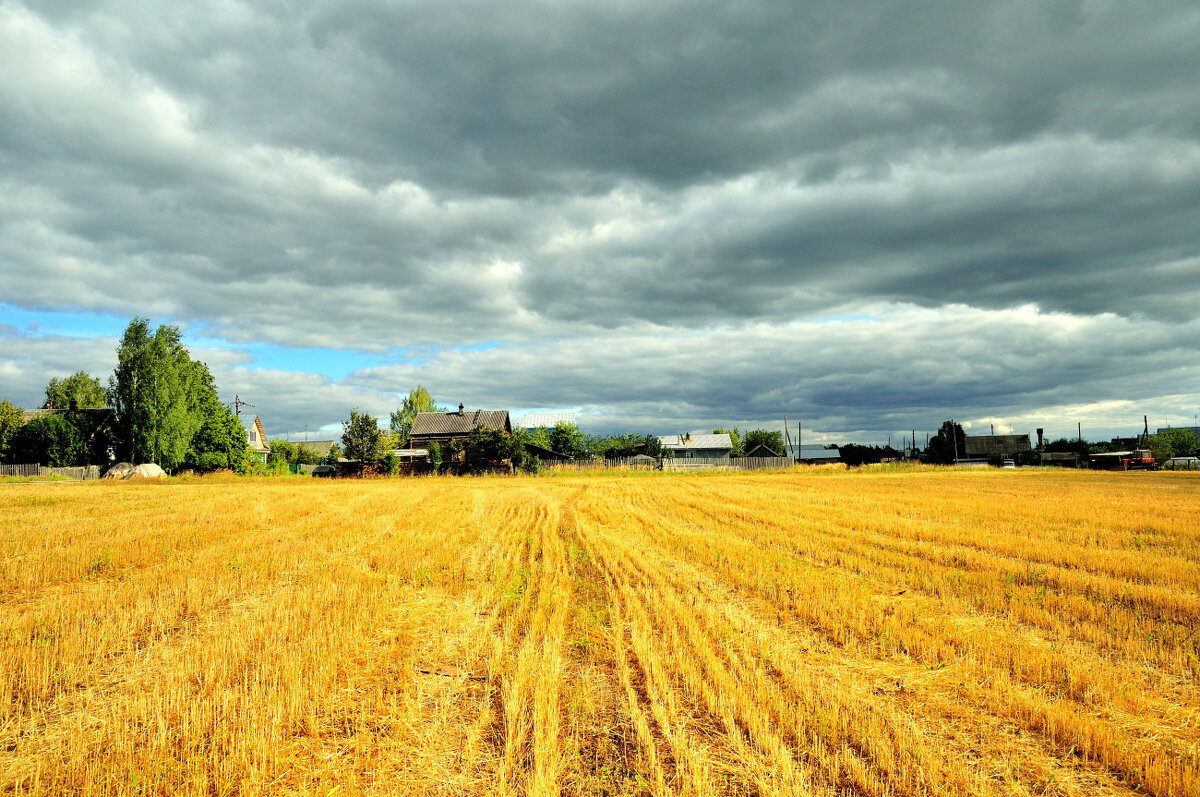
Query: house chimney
(687,438)
(460,408)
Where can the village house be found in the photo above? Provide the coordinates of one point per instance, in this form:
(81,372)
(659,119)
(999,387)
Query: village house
(697,446)
(256,438)
(445,427)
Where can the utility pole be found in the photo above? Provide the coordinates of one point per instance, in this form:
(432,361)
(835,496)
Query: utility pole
(1079,442)
(799,441)
(238,404)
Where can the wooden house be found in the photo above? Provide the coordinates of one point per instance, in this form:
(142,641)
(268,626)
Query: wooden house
(445,427)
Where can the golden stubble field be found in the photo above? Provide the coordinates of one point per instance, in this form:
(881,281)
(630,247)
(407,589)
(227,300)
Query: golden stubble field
(816,632)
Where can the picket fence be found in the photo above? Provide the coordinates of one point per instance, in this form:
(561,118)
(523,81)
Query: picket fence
(81,473)
(691,463)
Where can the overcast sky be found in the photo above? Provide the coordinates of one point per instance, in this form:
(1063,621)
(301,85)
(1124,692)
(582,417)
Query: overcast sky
(668,216)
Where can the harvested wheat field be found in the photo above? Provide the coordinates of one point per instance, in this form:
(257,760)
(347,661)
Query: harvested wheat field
(817,632)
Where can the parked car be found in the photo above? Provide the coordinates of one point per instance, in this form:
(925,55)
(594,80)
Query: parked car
(1008,463)
(324,471)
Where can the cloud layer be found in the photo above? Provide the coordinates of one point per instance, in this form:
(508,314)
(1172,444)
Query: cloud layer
(646,210)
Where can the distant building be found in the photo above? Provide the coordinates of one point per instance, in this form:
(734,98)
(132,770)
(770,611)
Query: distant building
(1060,459)
(697,446)
(979,448)
(1193,429)
(818,455)
(256,438)
(762,450)
(318,447)
(547,419)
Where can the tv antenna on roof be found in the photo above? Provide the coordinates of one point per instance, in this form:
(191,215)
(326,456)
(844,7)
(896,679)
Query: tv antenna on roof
(238,404)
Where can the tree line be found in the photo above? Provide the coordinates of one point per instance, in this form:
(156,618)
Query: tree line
(160,406)
(950,443)
(368,445)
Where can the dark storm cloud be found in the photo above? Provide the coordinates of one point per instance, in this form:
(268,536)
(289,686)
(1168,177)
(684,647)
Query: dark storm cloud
(855,378)
(899,369)
(562,176)
(703,161)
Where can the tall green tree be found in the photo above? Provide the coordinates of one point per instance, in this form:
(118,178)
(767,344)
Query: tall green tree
(948,445)
(52,440)
(80,387)
(539,436)
(566,439)
(417,400)
(362,439)
(771,439)
(10,422)
(154,394)
(1171,443)
(1068,445)
(625,445)
(219,442)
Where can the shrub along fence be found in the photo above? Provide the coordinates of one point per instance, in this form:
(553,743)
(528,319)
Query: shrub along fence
(82,472)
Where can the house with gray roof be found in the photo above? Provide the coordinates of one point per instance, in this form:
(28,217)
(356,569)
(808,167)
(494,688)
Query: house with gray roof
(547,419)
(697,446)
(444,427)
(816,454)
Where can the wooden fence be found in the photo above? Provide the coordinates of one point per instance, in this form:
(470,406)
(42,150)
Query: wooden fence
(81,473)
(681,463)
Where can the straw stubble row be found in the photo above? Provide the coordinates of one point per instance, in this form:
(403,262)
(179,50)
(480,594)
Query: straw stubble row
(927,632)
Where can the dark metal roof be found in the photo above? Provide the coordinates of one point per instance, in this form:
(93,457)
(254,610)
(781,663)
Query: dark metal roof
(545,453)
(451,423)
